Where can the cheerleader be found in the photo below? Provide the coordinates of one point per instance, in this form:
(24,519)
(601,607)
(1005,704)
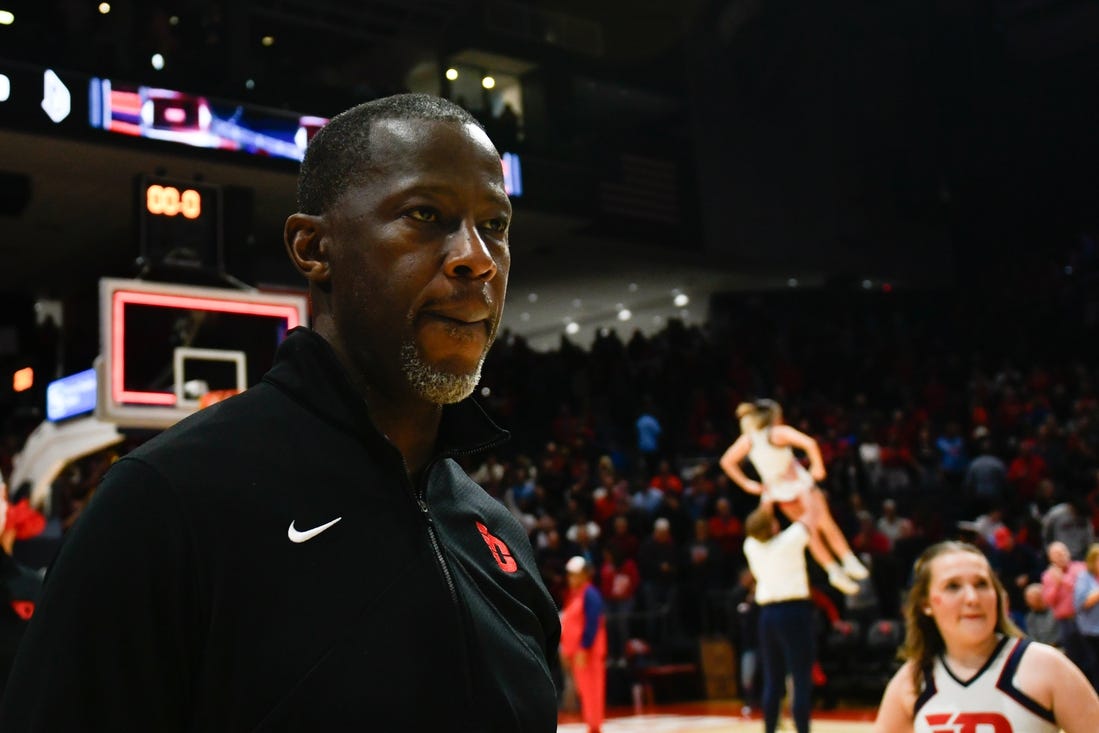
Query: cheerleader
(769,444)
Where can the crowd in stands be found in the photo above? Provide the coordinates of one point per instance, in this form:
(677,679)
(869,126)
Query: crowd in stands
(968,413)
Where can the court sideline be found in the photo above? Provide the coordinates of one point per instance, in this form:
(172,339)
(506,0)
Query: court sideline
(710,717)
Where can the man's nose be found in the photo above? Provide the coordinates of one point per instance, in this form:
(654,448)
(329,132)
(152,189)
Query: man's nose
(469,256)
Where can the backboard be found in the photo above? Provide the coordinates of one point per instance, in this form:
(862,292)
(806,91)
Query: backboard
(163,345)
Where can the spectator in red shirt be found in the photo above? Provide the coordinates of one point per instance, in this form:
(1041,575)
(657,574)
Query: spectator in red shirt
(618,581)
(869,539)
(1026,470)
(727,530)
(665,479)
(622,539)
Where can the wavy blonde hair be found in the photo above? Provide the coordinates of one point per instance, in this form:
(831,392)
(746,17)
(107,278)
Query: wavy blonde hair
(758,414)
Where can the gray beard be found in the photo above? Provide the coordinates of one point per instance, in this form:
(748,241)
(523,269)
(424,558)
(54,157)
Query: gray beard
(439,387)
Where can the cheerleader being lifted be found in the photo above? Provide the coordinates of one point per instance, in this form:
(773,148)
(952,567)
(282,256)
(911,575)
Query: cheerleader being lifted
(769,444)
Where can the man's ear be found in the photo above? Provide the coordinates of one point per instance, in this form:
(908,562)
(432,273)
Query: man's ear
(308,247)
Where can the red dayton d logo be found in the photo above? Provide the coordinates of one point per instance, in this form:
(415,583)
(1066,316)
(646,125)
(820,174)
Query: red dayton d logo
(500,551)
(968,723)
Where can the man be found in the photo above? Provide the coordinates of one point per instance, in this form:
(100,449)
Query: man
(1018,565)
(1041,625)
(308,555)
(658,561)
(1070,524)
(1058,586)
(786,645)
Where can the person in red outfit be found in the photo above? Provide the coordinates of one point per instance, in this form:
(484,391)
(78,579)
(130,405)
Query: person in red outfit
(584,642)
(727,529)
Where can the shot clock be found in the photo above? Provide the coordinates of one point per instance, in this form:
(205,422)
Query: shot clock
(179,222)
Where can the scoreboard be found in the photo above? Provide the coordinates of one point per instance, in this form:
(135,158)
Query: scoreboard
(180,222)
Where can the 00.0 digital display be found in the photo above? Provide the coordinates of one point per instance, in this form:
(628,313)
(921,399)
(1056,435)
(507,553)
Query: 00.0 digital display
(170,201)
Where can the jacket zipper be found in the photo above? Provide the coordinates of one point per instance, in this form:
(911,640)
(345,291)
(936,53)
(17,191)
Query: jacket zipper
(419,495)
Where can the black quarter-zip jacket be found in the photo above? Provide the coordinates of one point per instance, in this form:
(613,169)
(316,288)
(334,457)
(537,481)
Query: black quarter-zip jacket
(181,602)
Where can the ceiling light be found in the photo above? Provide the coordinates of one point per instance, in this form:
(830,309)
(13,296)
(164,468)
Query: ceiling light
(524,317)
(572,328)
(576,302)
(6,17)
(681,300)
(488,82)
(624,314)
(104,8)
(533,297)
(452,73)
(268,40)
(633,287)
(158,61)
(792,282)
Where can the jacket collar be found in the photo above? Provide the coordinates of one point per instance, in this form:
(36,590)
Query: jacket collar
(307,369)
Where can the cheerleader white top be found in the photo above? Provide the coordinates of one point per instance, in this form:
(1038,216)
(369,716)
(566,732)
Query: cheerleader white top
(784,477)
(987,701)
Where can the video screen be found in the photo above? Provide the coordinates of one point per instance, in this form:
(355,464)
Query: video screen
(199,121)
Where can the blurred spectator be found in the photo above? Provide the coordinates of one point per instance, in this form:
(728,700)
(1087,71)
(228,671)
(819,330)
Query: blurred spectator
(892,525)
(1040,624)
(746,636)
(702,579)
(1018,566)
(727,529)
(1058,589)
(985,480)
(622,539)
(619,581)
(490,472)
(658,560)
(952,455)
(584,541)
(648,500)
(1086,601)
(1026,470)
(551,559)
(1069,523)
(987,524)
(880,594)
(666,479)
(649,431)
(869,540)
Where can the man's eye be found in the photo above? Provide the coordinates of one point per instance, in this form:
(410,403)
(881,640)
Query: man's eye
(496,225)
(425,215)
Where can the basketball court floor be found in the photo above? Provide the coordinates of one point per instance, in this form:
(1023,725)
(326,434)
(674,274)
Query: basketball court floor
(711,717)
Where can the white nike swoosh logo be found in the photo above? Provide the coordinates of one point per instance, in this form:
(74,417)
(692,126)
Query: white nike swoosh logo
(296,536)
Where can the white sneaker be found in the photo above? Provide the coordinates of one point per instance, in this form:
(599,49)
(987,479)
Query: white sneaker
(840,581)
(855,569)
